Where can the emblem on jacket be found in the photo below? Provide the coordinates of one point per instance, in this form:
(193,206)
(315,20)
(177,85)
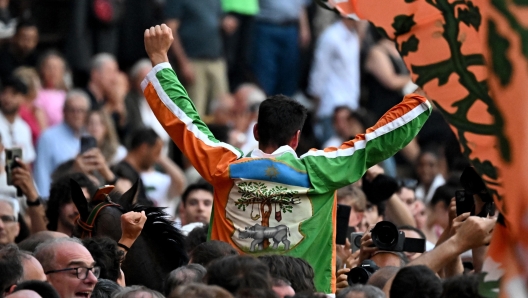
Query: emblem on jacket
(267,215)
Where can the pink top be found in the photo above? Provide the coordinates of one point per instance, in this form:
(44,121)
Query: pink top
(28,116)
(51,101)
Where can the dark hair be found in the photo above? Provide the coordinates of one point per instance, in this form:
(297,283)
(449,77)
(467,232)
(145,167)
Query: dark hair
(142,136)
(237,273)
(411,228)
(11,269)
(279,118)
(196,237)
(42,288)
(340,108)
(60,195)
(104,288)
(191,273)
(295,270)
(16,84)
(444,194)
(368,291)
(461,286)
(196,186)
(416,281)
(25,23)
(199,290)
(220,132)
(209,251)
(106,255)
(130,291)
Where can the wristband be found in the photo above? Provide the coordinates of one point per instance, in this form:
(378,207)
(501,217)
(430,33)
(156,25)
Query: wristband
(126,248)
(35,203)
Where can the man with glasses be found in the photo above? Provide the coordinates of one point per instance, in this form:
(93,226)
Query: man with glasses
(61,143)
(69,266)
(9,226)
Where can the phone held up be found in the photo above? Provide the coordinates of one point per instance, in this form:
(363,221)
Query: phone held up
(87,142)
(11,155)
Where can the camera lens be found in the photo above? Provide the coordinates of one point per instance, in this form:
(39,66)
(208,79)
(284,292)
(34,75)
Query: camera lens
(357,241)
(358,275)
(385,235)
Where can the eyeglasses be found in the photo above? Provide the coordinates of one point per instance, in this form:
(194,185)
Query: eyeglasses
(82,272)
(7,218)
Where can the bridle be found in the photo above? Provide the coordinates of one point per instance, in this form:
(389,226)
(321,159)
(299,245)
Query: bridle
(87,226)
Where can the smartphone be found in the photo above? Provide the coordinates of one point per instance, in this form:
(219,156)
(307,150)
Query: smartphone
(11,164)
(355,241)
(87,143)
(343,215)
(464,202)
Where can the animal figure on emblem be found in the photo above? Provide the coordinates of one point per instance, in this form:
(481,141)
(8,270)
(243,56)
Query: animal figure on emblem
(260,233)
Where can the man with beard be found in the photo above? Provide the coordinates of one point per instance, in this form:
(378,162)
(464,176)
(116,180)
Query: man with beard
(61,211)
(15,131)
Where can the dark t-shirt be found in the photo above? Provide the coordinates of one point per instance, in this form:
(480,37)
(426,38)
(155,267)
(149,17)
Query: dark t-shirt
(199,26)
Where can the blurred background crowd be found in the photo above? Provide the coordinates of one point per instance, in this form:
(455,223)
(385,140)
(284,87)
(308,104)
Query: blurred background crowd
(74,68)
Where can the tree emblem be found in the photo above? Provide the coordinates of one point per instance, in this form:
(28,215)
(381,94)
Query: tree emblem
(258,193)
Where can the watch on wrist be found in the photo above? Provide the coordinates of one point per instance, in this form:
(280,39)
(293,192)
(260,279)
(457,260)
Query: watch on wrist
(37,202)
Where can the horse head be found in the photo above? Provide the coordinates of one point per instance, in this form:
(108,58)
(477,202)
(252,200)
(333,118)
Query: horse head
(156,252)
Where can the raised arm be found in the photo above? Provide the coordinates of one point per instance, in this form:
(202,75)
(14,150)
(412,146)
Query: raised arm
(176,112)
(338,167)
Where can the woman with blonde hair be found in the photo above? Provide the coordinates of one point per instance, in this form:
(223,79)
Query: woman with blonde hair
(34,116)
(102,128)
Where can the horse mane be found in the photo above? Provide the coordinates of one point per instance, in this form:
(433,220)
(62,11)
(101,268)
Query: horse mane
(161,232)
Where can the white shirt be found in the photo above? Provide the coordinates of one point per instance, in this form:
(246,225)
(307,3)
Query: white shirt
(426,197)
(251,144)
(334,141)
(157,186)
(335,74)
(17,134)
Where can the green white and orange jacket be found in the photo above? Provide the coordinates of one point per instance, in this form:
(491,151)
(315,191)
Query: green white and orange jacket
(279,197)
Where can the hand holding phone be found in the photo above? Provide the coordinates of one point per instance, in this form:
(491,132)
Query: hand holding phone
(464,202)
(11,164)
(87,143)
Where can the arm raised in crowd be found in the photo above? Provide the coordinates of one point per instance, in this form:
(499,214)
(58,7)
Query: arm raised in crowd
(176,112)
(338,167)
(470,232)
(22,178)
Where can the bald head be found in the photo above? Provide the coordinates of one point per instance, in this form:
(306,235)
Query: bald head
(25,294)
(32,268)
(248,96)
(30,244)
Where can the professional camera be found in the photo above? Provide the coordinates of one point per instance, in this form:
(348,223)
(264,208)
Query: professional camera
(362,273)
(386,236)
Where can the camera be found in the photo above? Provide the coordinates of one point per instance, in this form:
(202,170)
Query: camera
(362,273)
(386,236)
(355,241)
(11,155)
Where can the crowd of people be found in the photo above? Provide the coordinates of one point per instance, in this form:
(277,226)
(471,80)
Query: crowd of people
(100,110)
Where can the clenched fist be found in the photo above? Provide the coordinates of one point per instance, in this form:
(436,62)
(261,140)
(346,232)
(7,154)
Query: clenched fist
(158,40)
(131,224)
